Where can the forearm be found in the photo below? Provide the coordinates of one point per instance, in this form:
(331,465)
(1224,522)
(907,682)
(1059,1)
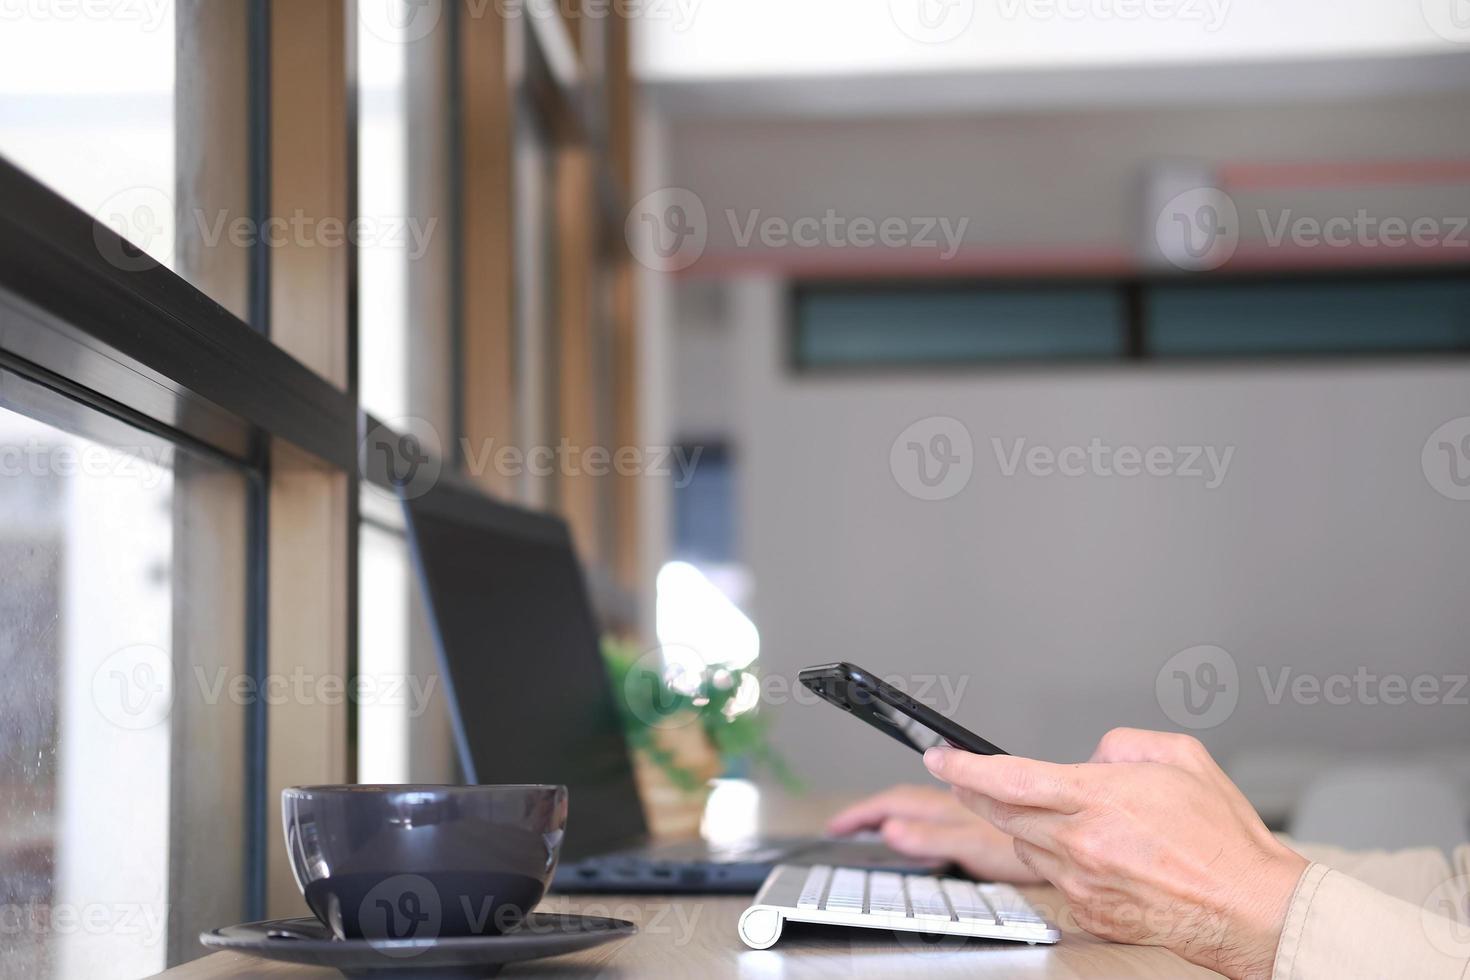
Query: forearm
(1408,874)
(1338,927)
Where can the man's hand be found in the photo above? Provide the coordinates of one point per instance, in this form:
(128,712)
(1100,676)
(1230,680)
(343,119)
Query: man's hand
(1150,843)
(927,822)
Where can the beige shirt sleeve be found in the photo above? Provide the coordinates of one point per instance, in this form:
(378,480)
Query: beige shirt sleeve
(1377,915)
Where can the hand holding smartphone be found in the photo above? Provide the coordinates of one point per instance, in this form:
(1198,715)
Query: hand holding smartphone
(886,708)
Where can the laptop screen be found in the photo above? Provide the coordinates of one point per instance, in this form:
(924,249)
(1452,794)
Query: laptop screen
(528,692)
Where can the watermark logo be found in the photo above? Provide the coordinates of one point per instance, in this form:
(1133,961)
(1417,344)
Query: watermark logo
(932,21)
(406,453)
(837,231)
(663,686)
(1450,19)
(400,21)
(1209,464)
(141,924)
(1199,687)
(1198,230)
(400,910)
(144,217)
(1209,14)
(133,688)
(667,230)
(933,459)
(149,465)
(1445,917)
(149,15)
(1446,459)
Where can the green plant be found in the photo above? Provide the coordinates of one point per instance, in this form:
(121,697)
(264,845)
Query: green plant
(648,702)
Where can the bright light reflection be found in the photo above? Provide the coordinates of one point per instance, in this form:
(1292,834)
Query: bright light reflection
(693,613)
(732,813)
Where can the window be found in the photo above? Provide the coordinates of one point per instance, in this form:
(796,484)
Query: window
(918,324)
(122,738)
(914,325)
(203,581)
(1347,316)
(87,107)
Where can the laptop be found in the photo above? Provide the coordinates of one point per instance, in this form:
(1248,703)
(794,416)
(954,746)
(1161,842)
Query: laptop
(531,702)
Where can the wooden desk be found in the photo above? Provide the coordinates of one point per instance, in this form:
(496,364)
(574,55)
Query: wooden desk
(696,937)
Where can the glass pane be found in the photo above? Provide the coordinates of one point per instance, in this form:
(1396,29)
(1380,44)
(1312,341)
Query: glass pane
(87,107)
(404,733)
(382,188)
(841,326)
(535,297)
(404,246)
(122,735)
(1310,317)
(136,113)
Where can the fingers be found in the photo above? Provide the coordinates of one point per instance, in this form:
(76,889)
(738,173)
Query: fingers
(1010,779)
(1138,745)
(924,839)
(908,802)
(1042,862)
(1032,824)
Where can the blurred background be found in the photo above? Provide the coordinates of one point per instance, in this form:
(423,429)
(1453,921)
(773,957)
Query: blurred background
(1072,363)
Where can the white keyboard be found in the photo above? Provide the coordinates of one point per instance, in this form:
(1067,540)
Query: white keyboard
(886,900)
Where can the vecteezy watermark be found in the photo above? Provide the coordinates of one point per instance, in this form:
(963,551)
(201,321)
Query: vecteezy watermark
(932,21)
(1201,687)
(145,219)
(1445,917)
(1446,459)
(933,459)
(1202,229)
(412,692)
(150,466)
(407,21)
(679,921)
(133,687)
(1198,229)
(669,230)
(834,230)
(669,686)
(406,453)
(398,911)
(141,922)
(407,456)
(567,458)
(1450,19)
(149,15)
(1206,463)
(1209,14)
(410,234)
(1198,687)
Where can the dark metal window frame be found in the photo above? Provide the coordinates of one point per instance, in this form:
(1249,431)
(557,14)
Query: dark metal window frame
(1134,294)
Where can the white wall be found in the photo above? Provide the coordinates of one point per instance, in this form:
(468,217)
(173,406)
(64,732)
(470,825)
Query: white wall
(1056,600)
(762,38)
(1052,179)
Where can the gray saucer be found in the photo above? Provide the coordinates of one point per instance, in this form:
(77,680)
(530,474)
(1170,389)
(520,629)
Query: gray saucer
(306,941)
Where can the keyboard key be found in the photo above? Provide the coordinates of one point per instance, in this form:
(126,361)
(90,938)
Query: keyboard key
(927,899)
(1010,907)
(814,887)
(848,892)
(885,894)
(969,905)
(895,902)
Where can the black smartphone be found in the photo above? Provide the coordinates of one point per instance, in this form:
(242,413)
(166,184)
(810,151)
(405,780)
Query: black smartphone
(886,708)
